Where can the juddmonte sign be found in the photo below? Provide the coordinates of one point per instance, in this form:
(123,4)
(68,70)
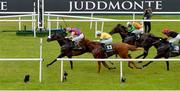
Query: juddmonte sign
(91,5)
(115,5)
(111,5)
(16,5)
(3,5)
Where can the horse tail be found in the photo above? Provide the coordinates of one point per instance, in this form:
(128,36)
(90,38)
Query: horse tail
(133,48)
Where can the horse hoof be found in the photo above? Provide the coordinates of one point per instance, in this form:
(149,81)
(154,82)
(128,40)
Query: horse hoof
(47,65)
(143,66)
(131,67)
(123,80)
(139,61)
(112,68)
(139,68)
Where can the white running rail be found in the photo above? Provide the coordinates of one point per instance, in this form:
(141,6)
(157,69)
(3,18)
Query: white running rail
(120,60)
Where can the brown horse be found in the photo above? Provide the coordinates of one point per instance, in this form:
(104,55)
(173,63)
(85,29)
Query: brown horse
(120,49)
(66,48)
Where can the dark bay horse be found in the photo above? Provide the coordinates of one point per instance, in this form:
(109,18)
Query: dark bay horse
(122,30)
(162,46)
(130,39)
(66,47)
(120,49)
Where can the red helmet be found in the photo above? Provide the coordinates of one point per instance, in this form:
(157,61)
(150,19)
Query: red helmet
(165,31)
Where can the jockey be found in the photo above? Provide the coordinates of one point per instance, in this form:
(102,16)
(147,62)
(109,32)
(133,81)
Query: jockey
(76,35)
(174,37)
(135,28)
(105,38)
(170,33)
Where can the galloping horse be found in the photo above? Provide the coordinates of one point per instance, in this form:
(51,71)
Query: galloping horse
(66,47)
(162,46)
(122,30)
(120,49)
(130,39)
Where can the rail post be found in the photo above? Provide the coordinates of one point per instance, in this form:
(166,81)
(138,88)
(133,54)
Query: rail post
(40,62)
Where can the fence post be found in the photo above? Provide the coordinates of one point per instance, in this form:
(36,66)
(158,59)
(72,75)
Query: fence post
(121,72)
(49,25)
(96,29)
(57,23)
(33,20)
(91,21)
(102,26)
(40,62)
(19,22)
(61,77)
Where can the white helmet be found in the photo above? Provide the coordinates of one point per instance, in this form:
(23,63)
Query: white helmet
(68,28)
(98,32)
(129,23)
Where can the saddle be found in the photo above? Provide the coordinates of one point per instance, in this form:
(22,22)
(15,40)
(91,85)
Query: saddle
(75,46)
(107,47)
(175,48)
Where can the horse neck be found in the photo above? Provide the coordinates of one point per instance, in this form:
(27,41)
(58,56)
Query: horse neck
(123,34)
(63,41)
(157,39)
(91,45)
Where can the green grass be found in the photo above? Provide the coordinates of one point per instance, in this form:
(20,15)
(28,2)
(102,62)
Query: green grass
(84,76)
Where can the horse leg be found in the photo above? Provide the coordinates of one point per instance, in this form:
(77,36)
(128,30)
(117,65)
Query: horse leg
(60,56)
(99,66)
(134,65)
(71,62)
(129,65)
(130,62)
(157,56)
(167,63)
(106,66)
(145,53)
(147,64)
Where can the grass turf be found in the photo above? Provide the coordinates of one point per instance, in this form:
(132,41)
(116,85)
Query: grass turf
(84,76)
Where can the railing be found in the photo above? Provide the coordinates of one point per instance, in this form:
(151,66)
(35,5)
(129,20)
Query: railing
(40,59)
(120,60)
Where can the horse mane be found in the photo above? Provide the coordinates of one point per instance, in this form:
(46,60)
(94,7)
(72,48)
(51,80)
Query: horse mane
(91,42)
(125,28)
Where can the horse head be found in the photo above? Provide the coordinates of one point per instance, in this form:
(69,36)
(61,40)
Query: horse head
(122,30)
(57,35)
(118,29)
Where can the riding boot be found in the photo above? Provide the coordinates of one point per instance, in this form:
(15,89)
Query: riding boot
(104,49)
(137,36)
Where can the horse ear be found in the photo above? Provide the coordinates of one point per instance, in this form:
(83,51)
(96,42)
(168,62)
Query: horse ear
(123,27)
(118,25)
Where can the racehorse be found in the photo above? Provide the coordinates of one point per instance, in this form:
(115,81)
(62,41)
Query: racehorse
(122,30)
(163,48)
(66,47)
(130,38)
(120,49)
(65,44)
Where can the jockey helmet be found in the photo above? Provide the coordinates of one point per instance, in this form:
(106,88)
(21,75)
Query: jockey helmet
(68,29)
(166,31)
(129,24)
(98,32)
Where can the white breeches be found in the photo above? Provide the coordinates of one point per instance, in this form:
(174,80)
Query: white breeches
(107,41)
(78,38)
(175,39)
